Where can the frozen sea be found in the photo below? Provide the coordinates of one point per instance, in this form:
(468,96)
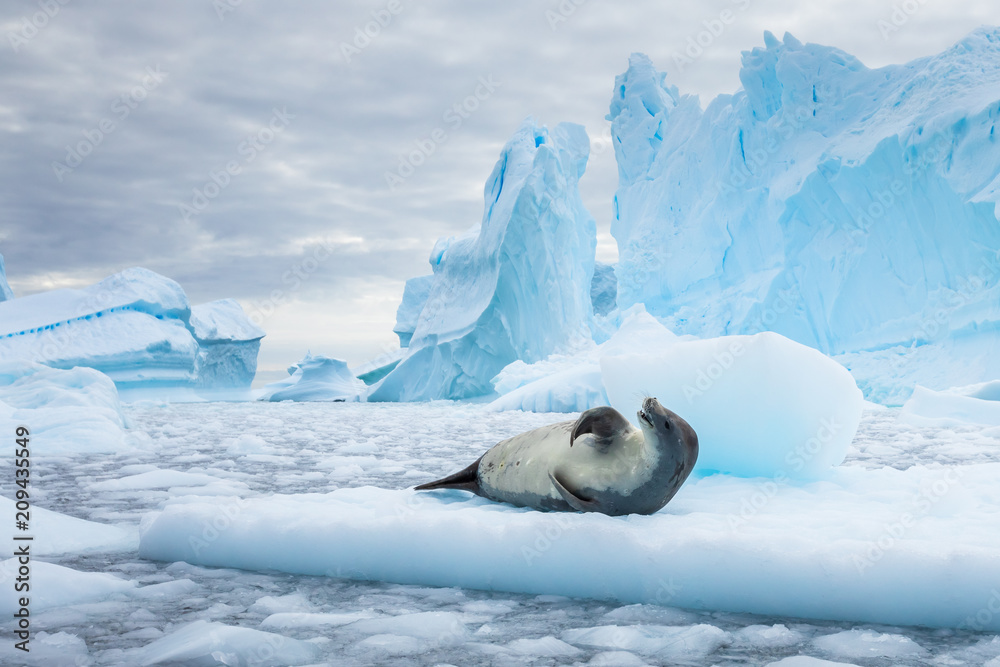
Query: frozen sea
(257,449)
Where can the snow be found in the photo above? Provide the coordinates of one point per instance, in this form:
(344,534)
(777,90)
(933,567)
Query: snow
(138,328)
(316,378)
(516,286)
(853,210)
(866,545)
(716,523)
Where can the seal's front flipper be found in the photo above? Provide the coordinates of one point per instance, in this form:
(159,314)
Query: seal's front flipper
(604,422)
(466,480)
(574,501)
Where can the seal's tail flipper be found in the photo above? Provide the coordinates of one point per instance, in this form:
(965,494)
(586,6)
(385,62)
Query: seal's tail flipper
(466,480)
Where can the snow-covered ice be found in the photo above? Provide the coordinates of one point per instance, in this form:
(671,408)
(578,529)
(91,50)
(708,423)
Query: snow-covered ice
(394,446)
(316,378)
(865,547)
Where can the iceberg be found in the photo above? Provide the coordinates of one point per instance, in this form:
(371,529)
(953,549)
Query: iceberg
(850,209)
(516,286)
(604,289)
(316,378)
(138,328)
(68,411)
(5,292)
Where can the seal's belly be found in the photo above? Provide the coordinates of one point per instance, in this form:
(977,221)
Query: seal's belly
(517,470)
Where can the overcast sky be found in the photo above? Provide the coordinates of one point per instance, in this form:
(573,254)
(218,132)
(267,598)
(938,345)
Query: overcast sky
(119,121)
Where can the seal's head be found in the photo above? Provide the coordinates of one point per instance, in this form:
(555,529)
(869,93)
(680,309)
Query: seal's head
(669,429)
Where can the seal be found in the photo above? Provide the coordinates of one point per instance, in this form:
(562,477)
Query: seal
(599,463)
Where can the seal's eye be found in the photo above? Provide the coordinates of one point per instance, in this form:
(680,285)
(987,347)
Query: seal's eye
(666,424)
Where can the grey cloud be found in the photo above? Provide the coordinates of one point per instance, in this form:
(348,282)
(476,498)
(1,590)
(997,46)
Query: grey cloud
(325,172)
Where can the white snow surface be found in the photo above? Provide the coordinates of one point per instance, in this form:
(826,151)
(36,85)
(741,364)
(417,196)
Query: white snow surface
(864,546)
(324,457)
(316,378)
(137,327)
(901,533)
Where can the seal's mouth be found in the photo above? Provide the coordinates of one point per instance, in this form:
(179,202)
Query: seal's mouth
(644,418)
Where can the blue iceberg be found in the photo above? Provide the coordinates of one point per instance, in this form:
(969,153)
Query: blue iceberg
(138,328)
(850,209)
(516,286)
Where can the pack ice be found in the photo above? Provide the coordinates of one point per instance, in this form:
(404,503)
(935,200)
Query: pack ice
(138,328)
